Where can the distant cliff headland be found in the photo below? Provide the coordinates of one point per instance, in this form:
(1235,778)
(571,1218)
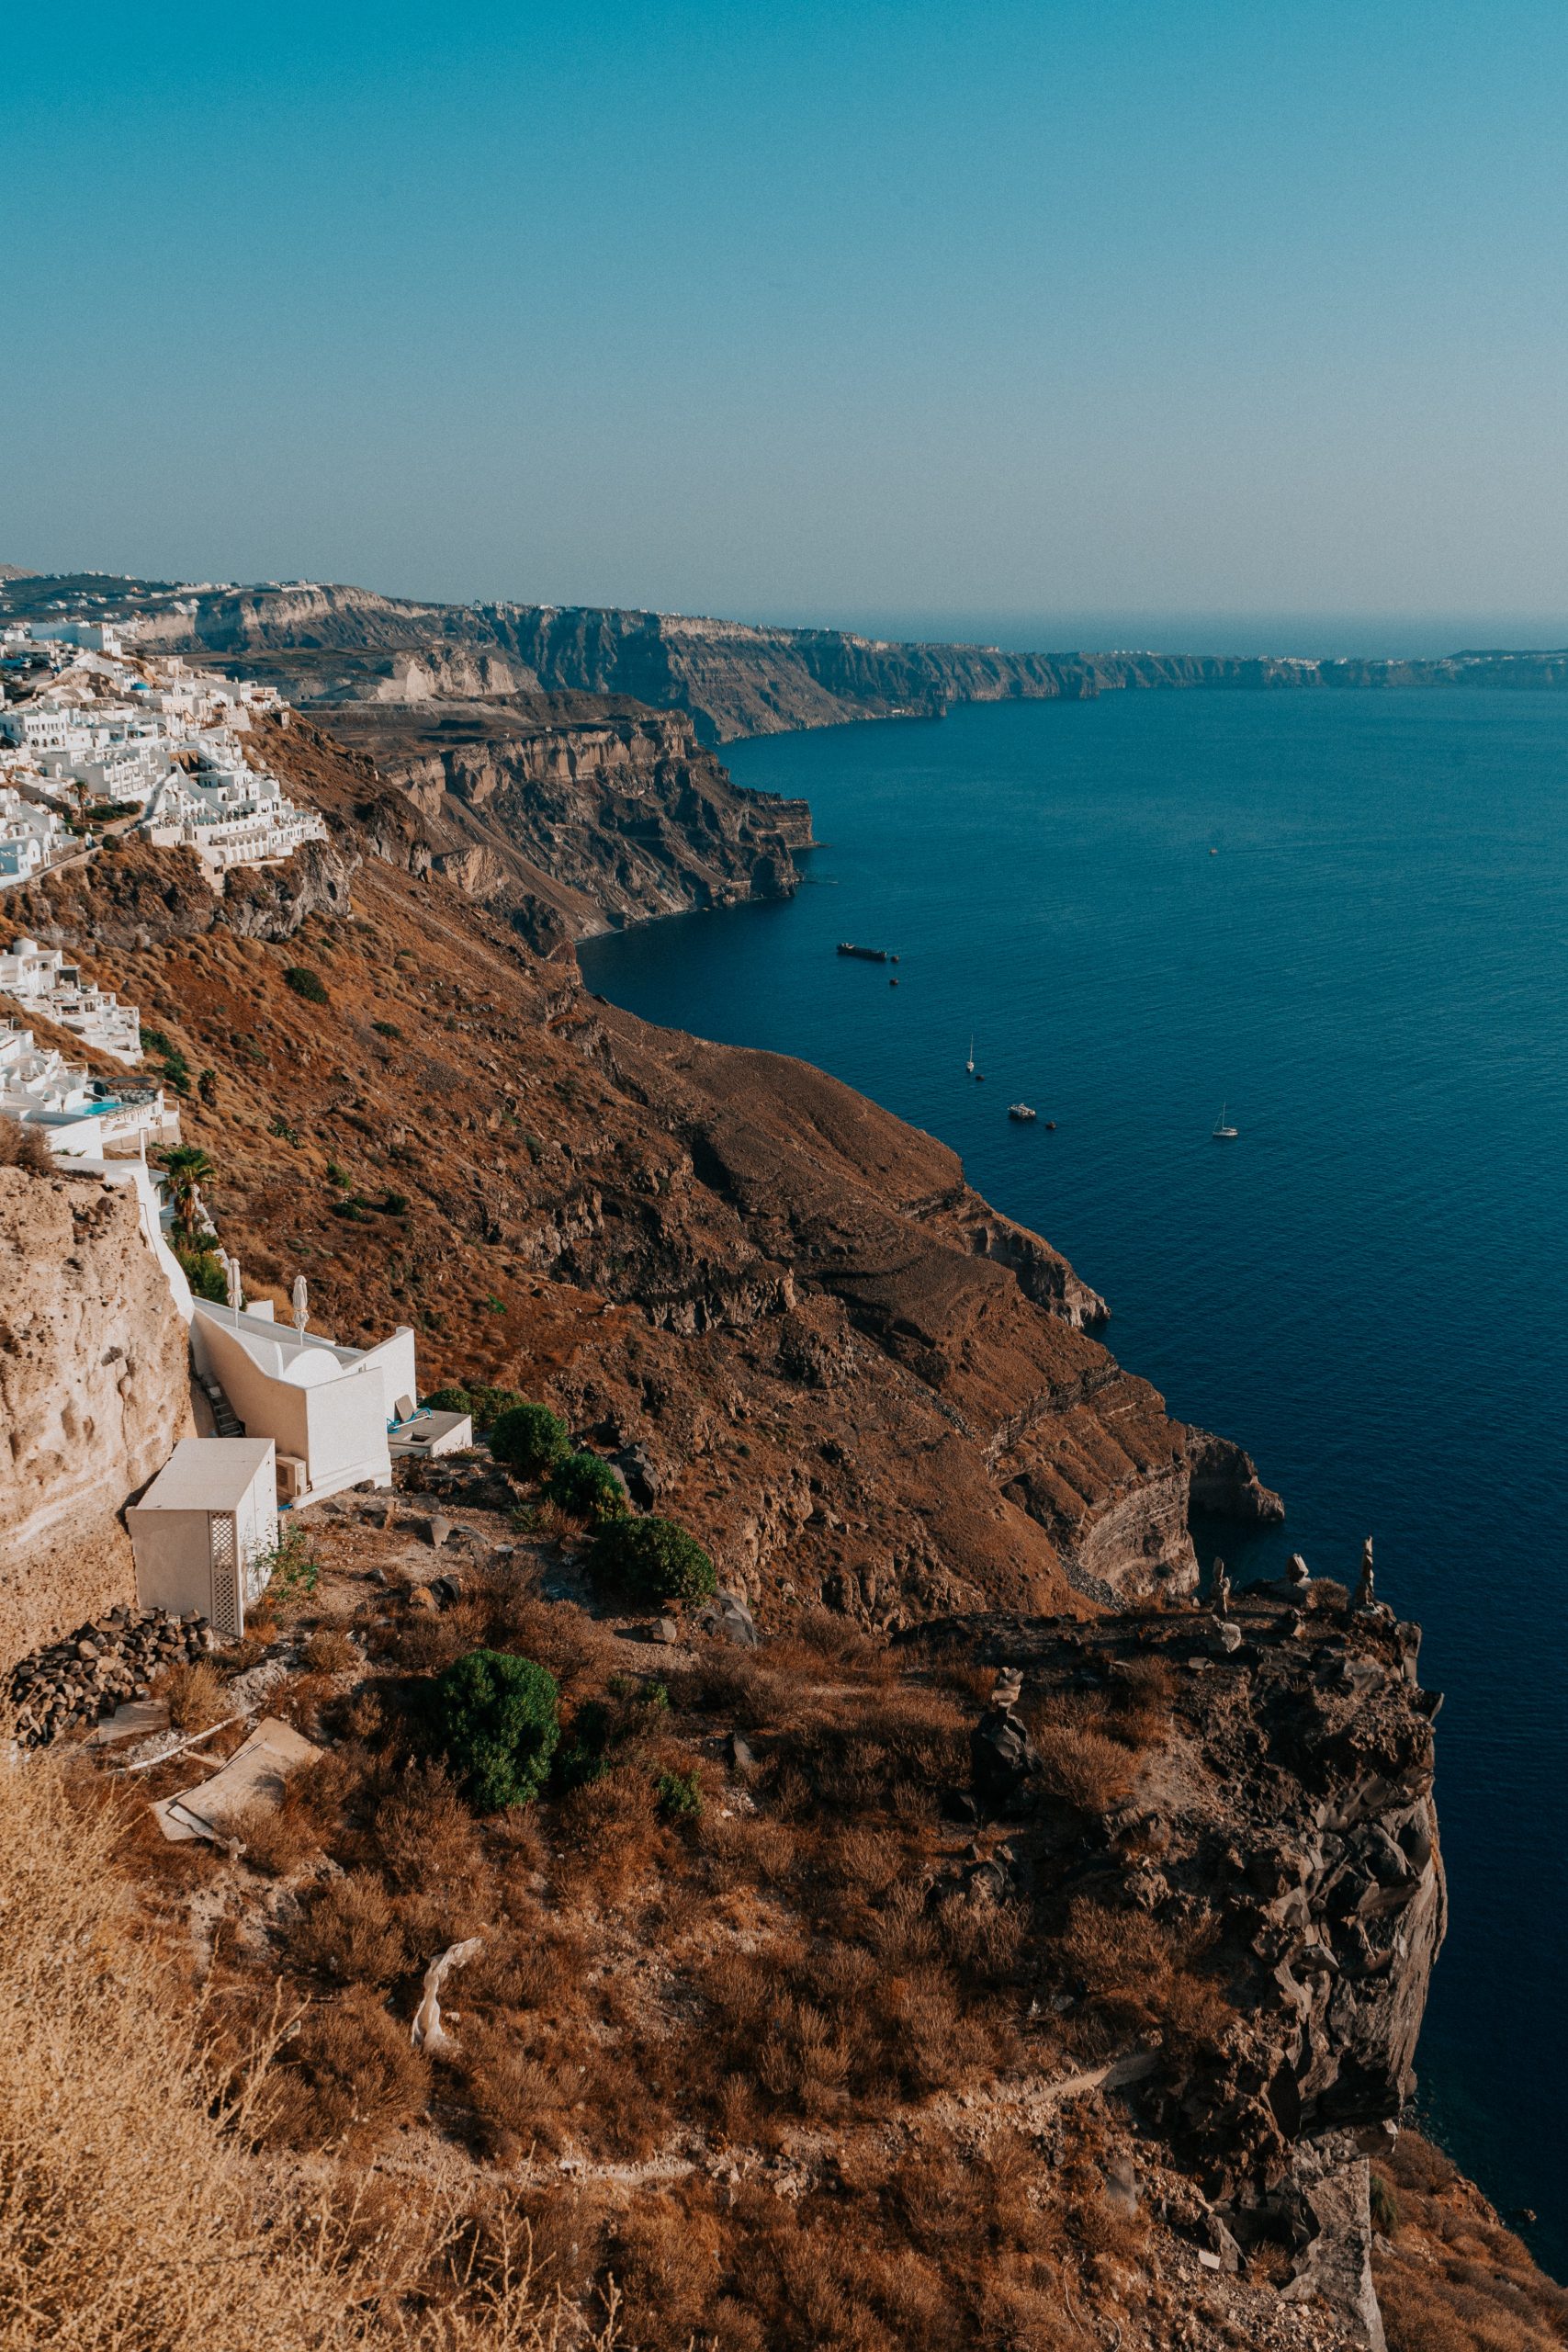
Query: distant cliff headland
(328,644)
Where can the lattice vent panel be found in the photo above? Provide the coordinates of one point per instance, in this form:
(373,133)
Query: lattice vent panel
(225,1578)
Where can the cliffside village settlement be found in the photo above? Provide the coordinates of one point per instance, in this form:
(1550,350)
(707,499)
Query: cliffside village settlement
(90,736)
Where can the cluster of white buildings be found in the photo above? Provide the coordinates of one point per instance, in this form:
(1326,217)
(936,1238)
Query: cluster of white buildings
(78,1115)
(84,722)
(42,980)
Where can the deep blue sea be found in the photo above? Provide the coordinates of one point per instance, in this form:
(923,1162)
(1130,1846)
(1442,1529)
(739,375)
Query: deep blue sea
(1345,916)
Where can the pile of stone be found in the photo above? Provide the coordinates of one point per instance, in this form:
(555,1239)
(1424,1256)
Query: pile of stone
(85,1676)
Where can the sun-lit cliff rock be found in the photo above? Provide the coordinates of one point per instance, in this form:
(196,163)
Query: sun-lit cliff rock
(94,1394)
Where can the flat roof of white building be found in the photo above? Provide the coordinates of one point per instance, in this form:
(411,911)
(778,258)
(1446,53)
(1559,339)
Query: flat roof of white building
(208,1473)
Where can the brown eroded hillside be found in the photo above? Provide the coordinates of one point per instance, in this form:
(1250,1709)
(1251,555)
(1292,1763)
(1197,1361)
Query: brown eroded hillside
(849,1374)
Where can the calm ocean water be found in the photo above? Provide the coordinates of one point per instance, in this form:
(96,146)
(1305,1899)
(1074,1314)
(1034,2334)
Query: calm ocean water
(1367,1288)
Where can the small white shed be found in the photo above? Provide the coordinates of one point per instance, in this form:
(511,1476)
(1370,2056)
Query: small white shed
(201,1530)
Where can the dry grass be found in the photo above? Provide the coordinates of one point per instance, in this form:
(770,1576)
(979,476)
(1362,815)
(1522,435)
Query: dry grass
(195,1695)
(328,1651)
(24,1148)
(1454,2281)
(134,2213)
(1083,1767)
(1139,1975)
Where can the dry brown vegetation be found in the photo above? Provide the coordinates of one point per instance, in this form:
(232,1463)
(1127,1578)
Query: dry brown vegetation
(24,1147)
(135,2210)
(195,1695)
(1452,2278)
(804,1953)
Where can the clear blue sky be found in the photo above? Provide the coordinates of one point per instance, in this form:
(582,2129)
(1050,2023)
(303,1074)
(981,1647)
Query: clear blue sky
(1142,306)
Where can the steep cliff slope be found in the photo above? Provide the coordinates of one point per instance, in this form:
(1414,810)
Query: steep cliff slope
(576,812)
(855,1379)
(94,1393)
(332,644)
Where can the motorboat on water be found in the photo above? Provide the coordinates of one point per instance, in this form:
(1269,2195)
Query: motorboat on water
(1021,1112)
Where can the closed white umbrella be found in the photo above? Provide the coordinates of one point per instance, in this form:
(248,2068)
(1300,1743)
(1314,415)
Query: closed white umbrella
(299,1305)
(236,1288)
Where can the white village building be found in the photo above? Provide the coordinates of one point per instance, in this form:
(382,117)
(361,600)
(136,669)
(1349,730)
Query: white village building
(78,1115)
(228,812)
(42,978)
(31,837)
(327,1410)
(204,1529)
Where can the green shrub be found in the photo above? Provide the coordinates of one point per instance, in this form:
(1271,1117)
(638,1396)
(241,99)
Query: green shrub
(338,1174)
(306,983)
(496,1717)
(386,1029)
(530,1440)
(293,1571)
(204,1275)
(175,1067)
(654,1559)
(486,1403)
(584,1487)
(394,1205)
(679,1795)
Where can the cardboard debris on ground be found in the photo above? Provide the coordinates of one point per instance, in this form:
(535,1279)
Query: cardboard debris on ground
(254,1775)
(135,1720)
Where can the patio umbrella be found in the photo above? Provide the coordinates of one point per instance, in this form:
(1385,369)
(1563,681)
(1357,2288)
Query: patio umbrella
(299,1306)
(236,1288)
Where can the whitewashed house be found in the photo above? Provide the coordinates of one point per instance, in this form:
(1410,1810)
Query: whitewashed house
(326,1408)
(30,837)
(41,977)
(228,812)
(78,1115)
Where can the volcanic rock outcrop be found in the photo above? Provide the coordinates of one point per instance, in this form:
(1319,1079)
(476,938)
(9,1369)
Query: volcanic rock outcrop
(575,813)
(94,1395)
(325,644)
(1281,1832)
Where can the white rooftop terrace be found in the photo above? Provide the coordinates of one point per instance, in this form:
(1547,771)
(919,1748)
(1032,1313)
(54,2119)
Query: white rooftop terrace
(327,1407)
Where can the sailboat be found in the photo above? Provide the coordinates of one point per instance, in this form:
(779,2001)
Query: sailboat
(969,1065)
(1223,1134)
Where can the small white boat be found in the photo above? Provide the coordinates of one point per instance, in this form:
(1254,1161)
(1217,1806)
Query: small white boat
(969,1065)
(1021,1111)
(1223,1132)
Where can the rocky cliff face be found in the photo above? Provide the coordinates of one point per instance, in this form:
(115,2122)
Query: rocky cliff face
(1281,1831)
(576,814)
(334,644)
(94,1394)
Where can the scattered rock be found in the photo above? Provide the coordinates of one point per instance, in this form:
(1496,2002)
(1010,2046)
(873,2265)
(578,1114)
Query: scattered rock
(435,1531)
(1000,1753)
(1121,2186)
(727,1615)
(739,1753)
(663,1629)
(83,1677)
(637,1476)
(420,1596)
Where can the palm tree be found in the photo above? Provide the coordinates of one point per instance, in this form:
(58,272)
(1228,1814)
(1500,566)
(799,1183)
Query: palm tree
(186,1166)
